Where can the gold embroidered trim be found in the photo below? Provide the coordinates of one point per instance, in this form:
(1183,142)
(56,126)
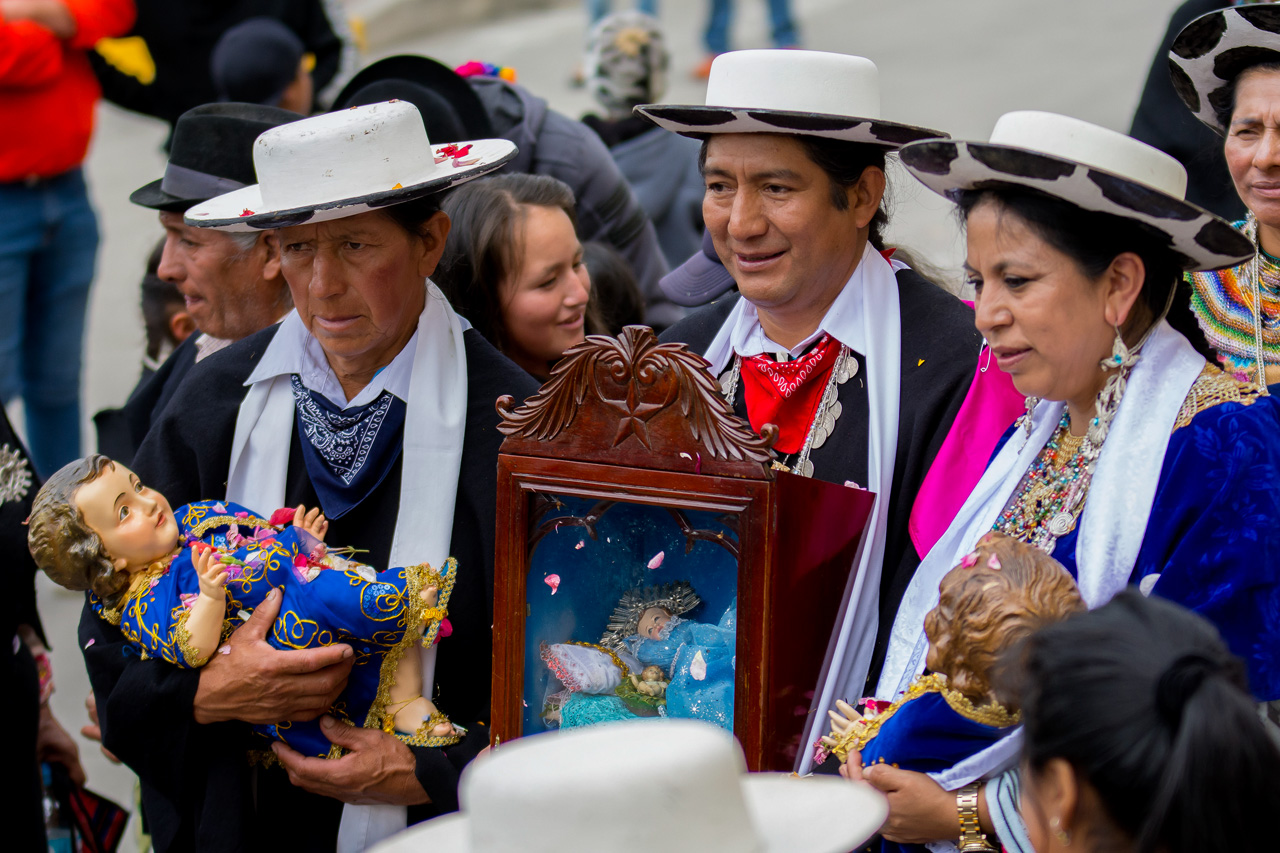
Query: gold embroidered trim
(423,736)
(992,714)
(139,585)
(200,528)
(1212,388)
(626,671)
(189,652)
(417,578)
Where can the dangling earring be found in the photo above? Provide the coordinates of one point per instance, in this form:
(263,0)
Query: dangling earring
(1025,420)
(1055,826)
(987,364)
(1107,403)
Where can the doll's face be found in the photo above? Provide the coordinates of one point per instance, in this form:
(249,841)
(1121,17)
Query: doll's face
(651,673)
(135,523)
(652,621)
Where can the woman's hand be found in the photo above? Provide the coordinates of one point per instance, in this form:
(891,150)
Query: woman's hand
(212,574)
(920,810)
(312,521)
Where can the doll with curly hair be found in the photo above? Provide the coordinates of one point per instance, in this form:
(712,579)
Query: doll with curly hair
(178,582)
(998,596)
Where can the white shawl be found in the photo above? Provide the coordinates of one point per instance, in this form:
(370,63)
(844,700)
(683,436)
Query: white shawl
(1118,506)
(865,318)
(435,423)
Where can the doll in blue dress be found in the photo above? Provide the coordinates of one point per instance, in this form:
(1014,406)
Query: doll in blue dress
(1000,594)
(177,583)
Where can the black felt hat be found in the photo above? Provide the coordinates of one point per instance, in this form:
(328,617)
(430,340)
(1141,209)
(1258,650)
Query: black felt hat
(448,105)
(211,154)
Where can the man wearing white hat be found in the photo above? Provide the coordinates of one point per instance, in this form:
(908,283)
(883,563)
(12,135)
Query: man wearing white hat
(374,401)
(860,361)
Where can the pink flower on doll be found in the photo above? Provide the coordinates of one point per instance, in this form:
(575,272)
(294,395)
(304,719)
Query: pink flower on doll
(875,706)
(994,563)
(282,516)
(220,508)
(188,599)
(263,535)
(317,553)
(969,560)
(242,515)
(820,752)
(446,629)
(300,561)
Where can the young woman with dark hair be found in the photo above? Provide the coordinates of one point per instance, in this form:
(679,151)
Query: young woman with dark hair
(1170,756)
(513,267)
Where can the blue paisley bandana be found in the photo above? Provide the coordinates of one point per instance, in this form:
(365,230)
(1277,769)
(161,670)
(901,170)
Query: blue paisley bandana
(347,452)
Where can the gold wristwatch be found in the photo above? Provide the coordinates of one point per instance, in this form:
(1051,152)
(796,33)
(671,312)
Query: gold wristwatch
(972,838)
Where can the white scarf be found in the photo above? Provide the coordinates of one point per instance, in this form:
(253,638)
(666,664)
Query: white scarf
(876,332)
(1117,508)
(435,423)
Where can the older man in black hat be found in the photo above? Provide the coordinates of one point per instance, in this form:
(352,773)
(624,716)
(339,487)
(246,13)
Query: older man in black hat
(549,143)
(231,283)
(860,361)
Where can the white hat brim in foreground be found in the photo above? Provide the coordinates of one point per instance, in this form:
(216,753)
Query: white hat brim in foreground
(243,210)
(1201,240)
(699,121)
(814,814)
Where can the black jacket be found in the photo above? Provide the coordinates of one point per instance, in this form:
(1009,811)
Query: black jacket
(939,357)
(196,781)
(120,431)
(554,144)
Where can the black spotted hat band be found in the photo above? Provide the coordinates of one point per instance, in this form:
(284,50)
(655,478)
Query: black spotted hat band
(1091,167)
(1214,49)
(805,92)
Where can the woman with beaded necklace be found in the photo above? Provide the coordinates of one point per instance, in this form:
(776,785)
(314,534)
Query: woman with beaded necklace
(1137,462)
(1226,68)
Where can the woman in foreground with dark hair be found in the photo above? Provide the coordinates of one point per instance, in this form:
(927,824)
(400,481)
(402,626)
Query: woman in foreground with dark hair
(1137,462)
(1140,735)
(513,267)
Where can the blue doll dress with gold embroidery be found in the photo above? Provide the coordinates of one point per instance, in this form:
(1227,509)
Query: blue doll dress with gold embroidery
(931,728)
(377,613)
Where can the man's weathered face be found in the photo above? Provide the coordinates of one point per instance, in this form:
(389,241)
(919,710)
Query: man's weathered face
(770,213)
(230,292)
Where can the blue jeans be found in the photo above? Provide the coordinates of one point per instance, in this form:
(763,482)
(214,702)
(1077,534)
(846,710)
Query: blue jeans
(48,241)
(597,9)
(780,21)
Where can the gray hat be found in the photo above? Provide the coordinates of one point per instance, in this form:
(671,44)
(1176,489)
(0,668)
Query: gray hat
(698,280)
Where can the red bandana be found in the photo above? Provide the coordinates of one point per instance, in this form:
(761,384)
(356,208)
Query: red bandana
(788,393)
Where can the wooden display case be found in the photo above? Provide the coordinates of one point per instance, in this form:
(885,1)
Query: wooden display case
(628,470)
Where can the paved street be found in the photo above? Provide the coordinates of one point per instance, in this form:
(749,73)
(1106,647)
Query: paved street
(954,66)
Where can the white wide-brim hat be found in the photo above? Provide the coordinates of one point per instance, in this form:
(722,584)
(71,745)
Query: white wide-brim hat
(1093,168)
(806,92)
(678,786)
(1211,52)
(343,163)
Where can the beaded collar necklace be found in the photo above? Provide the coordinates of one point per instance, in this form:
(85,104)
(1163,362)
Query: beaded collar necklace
(824,418)
(1050,498)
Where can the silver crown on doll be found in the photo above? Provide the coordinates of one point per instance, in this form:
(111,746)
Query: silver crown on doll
(677,598)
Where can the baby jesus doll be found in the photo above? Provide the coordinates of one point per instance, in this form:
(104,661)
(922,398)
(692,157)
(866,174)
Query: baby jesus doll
(178,583)
(999,594)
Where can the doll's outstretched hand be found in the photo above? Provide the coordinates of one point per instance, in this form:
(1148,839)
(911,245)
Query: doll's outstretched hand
(312,521)
(211,572)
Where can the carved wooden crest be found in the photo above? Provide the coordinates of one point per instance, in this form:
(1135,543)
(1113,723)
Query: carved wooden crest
(635,401)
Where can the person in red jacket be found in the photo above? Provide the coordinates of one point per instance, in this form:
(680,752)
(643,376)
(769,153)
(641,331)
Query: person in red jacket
(48,231)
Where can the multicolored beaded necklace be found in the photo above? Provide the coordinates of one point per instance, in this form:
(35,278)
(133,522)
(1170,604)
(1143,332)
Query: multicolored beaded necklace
(1239,309)
(1051,495)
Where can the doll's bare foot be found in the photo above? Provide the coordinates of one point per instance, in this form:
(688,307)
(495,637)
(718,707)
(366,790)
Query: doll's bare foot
(410,718)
